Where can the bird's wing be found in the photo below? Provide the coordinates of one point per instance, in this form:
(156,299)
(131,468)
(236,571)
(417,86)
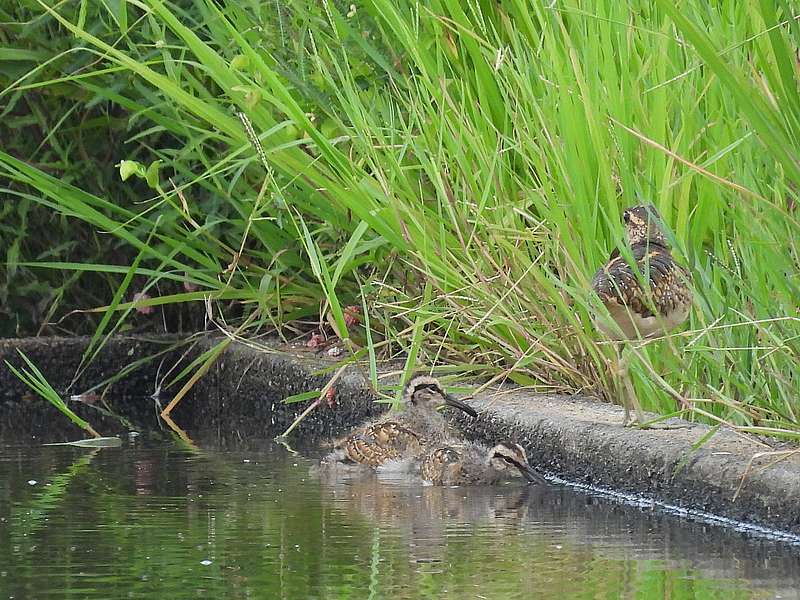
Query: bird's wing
(375,444)
(437,463)
(619,283)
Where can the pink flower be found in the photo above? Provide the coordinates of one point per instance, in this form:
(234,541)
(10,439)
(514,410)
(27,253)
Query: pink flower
(330,397)
(143,310)
(315,341)
(352,315)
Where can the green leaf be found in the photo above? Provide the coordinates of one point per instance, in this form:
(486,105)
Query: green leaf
(301,397)
(130,167)
(35,380)
(151,175)
(240,62)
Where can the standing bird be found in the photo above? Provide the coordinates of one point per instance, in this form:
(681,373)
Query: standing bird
(403,435)
(470,463)
(648,296)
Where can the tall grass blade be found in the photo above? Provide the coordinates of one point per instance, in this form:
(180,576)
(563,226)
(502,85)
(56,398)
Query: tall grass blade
(34,379)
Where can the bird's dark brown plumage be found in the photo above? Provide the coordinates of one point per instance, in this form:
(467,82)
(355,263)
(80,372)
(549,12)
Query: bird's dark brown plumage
(663,302)
(440,463)
(460,462)
(401,435)
(381,442)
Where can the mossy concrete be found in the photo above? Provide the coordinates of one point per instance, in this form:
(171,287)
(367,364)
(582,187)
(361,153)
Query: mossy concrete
(575,439)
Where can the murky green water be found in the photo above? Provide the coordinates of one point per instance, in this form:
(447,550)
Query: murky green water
(160,520)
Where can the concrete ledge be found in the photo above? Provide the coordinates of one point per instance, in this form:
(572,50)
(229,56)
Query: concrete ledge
(240,396)
(575,439)
(582,441)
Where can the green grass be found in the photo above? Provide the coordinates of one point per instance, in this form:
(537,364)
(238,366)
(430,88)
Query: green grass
(34,379)
(459,170)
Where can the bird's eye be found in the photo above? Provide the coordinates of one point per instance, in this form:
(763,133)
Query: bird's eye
(626,216)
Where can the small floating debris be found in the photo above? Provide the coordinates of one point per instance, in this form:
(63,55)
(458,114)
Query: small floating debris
(101,442)
(32,482)
(87,398)
(206,562)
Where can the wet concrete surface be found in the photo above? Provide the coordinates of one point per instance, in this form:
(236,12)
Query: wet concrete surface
(576,439)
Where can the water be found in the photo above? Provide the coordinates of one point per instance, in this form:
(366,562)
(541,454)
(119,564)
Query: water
(159,519)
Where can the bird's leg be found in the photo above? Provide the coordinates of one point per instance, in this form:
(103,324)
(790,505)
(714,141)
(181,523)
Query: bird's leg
(628,392)
(622,374)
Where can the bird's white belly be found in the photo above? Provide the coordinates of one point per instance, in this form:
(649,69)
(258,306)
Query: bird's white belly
(633,325)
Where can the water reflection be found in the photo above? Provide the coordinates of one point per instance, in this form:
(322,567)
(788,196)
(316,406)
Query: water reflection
(154,518)
(567,537)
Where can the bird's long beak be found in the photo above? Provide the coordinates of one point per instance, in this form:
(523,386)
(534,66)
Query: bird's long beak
(455,403)
(529,473)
